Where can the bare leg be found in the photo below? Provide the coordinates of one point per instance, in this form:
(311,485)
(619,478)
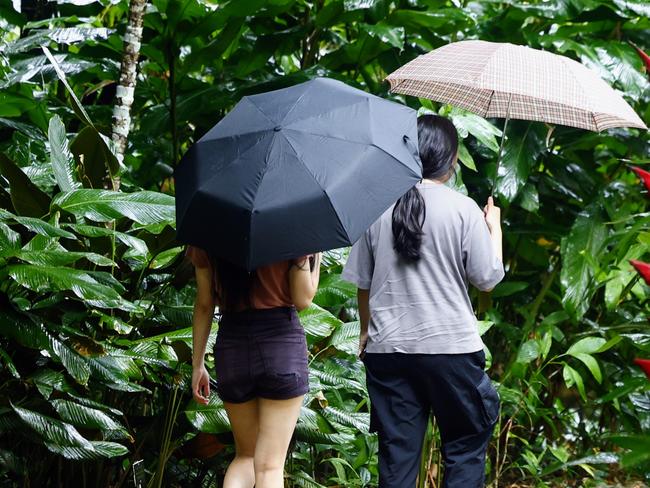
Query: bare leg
(244,422)
(277,421)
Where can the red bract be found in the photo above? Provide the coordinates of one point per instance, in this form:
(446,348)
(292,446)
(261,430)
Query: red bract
(644,175)
(644,364)
(644,57)
(642,268)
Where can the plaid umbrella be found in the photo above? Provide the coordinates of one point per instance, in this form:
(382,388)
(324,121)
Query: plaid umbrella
(504,80)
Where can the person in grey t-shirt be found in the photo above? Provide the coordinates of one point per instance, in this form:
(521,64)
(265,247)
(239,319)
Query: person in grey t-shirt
(419,337)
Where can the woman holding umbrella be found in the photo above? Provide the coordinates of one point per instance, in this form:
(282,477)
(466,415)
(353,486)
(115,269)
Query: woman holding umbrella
(282,174)
(419,337)
(260,357)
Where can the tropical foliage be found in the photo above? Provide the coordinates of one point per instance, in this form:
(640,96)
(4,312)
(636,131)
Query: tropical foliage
(95,296)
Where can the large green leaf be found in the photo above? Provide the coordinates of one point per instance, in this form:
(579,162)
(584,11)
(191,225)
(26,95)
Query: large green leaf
(47,381)
(114,373)
(61,73)
(311,435)
(9,363)
(86,417)
(60,258)
(631,8)
(639,446)
(331,377)
(60,156)
(143,207)
(55,434)
(428,20)
(588,345)
(74,363)
(334,292)
(61,35)
(591,363)
(99,450)
(94,155)
(42,279)
(9,238)
(35,336)
(529,351)
(211,418)
(346,338)
(137,246)
(318,322)
(465,157)
(571,378)
(580,251)
(619,277)
(26,69)
(356,420)
(385,33)
(43,228)
(26,197)
(469,123)
(524,143)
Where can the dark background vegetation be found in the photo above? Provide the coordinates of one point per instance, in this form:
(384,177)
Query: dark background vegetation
(95,297)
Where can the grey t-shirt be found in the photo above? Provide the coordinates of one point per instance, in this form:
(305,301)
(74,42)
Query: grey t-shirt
(424,307)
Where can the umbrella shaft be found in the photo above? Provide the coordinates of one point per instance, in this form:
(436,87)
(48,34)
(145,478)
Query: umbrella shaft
(503,138)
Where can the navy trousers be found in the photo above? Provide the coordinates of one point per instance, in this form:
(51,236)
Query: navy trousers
(405,389)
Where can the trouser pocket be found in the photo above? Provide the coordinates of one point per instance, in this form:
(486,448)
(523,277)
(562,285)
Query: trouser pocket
(489,401)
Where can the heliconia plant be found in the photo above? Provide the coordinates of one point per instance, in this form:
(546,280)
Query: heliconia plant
(642,268)
(643,175)
(644,364)
(644,57)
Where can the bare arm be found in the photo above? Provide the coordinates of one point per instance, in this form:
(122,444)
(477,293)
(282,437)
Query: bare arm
(363,299)
(303,282)
(201,323)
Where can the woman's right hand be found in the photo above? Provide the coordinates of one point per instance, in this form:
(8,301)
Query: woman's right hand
(201,385)
(492,216)
(363,341)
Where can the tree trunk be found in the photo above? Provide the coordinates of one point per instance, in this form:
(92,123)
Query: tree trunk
(128,78)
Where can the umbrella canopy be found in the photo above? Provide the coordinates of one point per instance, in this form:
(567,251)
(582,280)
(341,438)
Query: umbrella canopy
(503,80)
(295,171)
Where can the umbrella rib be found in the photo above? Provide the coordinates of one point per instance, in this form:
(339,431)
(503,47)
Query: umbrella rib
(347,140)
(294,106)
(329,111)
(593,116)
(319,186)
(399,82)
(259,110)
(239,134)
(230,163)
(487,110)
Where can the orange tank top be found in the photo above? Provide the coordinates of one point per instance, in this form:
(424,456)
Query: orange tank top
(270,286)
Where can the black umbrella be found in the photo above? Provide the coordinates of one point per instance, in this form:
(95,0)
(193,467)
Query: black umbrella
(295,171)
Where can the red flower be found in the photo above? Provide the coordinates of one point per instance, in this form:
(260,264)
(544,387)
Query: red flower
(644,175)
(642,268)
(644,57)
(644,364)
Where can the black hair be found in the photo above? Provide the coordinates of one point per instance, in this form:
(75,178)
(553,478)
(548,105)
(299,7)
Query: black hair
(232,285)
(438,146)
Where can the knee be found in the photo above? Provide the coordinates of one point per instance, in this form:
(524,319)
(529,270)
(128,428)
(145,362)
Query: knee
(245,454)
(268,465)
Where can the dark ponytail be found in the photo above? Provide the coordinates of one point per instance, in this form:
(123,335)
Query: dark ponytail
(408,217)
(234,285)
(438,146)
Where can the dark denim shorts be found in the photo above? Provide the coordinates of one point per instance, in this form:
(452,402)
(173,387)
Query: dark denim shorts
(261,354)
